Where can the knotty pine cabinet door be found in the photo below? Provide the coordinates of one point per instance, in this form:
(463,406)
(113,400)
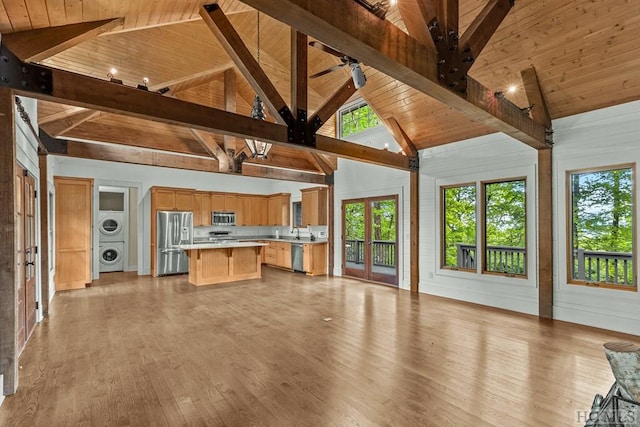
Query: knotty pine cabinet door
(73,212)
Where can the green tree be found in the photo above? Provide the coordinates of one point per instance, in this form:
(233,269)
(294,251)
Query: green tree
(505,213)
(460,220)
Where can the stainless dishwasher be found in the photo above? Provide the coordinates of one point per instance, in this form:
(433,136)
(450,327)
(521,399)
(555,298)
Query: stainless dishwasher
(297,262)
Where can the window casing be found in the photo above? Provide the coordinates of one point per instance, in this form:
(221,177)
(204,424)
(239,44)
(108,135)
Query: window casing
(504,219)
(356,118)
(601,227)
(459,227)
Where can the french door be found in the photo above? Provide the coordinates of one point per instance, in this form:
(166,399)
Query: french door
(370,239)
(27,268)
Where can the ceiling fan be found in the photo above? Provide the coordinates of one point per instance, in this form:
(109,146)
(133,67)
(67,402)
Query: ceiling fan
(359,79)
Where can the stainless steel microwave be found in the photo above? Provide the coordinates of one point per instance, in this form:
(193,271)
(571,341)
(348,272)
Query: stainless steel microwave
(223,218)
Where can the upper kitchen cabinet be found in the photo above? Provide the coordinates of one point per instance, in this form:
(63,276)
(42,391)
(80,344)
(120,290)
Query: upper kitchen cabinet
(201,209)
(73,232)
(314,206)
(278,206)
(172,199)
(223,202)
(259,210)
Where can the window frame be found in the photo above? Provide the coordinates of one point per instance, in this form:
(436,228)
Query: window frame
(483,225)
(568,227)
(443,242)
(349,108)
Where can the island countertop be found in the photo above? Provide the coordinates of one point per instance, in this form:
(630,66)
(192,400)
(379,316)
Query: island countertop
(221,245)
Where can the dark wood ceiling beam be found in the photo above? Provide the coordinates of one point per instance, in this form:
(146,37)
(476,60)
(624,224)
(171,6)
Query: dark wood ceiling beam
(138,156)
(361,153)
(78,90)
(352,30)
(249,67)
(299,75)
(408,147)
(230,104)
(249,169)
(540,112)
(59,127)
(287,162)
(416,15)
(331,105)
(42,43)
(320,163)
(209,143)
(477,35)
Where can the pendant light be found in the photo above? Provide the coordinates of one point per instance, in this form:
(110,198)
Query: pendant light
(259,149)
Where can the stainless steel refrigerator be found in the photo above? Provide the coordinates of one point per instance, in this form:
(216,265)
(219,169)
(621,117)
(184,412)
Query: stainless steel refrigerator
(174,228)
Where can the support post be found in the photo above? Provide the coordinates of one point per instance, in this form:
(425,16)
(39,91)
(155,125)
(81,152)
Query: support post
(330,231)
(43,250)
(414,229)
(8,245)
(545,234)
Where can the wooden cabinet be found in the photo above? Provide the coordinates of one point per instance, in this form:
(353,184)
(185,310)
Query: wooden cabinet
(314,206)
(244,211)
(259,210)
(73,232)
(315,259)
(278,254)
(201,209)
(223,202)
(172,199)
(278,207)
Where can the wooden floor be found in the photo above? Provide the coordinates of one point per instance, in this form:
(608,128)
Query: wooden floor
(155,352)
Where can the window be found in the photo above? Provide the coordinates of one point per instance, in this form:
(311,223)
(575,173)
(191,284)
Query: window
(459,227)
(505,222)
(601,249)
(357,118)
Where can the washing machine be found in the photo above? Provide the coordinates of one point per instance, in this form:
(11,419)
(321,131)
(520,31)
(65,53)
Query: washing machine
(111,226)
(111,256)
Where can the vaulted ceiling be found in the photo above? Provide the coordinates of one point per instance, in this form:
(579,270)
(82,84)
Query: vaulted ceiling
(586,54)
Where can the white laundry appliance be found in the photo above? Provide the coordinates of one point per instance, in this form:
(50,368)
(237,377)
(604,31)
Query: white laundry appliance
(111,256)
(111,226)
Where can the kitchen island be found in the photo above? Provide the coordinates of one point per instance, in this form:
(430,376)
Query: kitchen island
(223,262)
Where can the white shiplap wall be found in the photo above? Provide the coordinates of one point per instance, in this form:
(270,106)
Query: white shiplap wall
(599,138)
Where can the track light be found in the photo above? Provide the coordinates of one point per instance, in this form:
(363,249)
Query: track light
(359,79)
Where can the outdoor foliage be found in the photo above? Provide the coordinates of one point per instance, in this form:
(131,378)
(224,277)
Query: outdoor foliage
(460,220)
(383,221)
(505,213)
(602,221)
(357,119)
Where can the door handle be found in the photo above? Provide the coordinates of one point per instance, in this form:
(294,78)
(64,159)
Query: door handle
(31,263)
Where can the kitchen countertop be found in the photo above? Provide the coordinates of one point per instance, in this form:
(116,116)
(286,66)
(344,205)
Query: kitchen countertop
(287,239)
(221,245)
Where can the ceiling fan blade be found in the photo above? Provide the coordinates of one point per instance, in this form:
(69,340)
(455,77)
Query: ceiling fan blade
(323,47)
(327,71)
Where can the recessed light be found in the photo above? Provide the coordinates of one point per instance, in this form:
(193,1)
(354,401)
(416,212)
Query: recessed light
(113,71)
(512,89)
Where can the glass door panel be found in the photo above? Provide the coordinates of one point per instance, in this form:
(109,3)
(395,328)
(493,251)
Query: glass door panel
(353,217)
(370,239)
(382,241)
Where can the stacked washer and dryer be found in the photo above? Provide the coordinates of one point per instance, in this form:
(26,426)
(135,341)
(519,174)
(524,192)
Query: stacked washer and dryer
(112,231)
(111,240)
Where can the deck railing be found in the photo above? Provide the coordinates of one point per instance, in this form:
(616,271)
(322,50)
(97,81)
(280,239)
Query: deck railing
(503,259)
(591,266)
(382,251)
(603,267)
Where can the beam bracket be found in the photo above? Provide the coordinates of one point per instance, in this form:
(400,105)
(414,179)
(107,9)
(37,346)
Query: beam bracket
(53,145)
(23,76)
(414,163)
(329,179)
(287,116)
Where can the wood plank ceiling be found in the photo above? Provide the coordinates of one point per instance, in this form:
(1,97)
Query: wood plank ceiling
(586,54)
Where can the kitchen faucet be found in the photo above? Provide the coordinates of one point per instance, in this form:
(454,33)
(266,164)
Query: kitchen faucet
(297,230)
